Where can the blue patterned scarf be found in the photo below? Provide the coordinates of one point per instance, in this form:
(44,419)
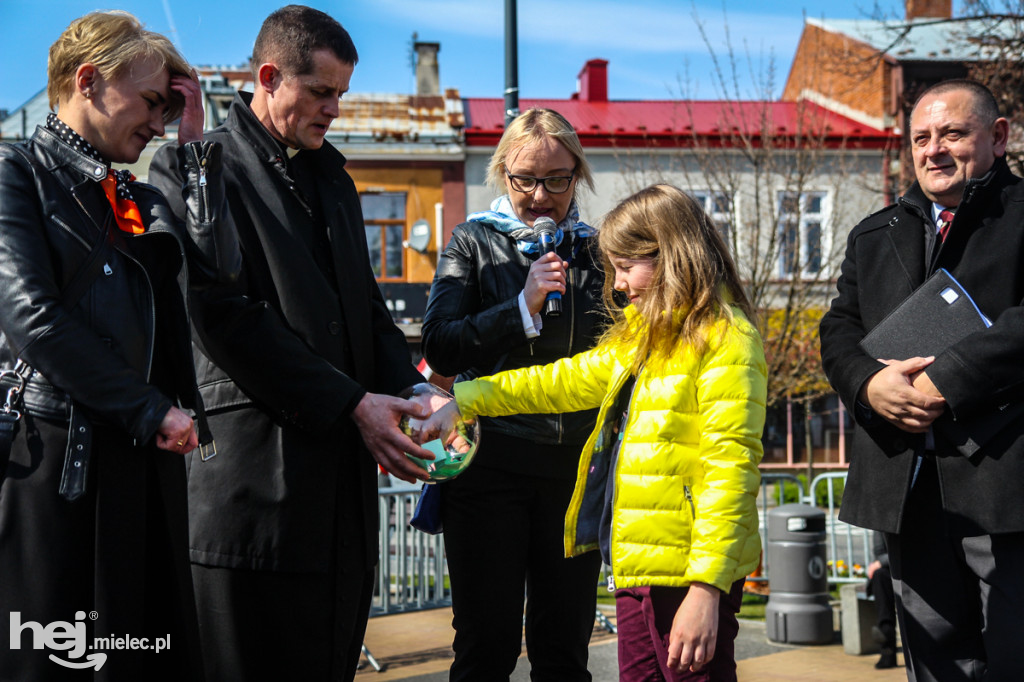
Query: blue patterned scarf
(502,217)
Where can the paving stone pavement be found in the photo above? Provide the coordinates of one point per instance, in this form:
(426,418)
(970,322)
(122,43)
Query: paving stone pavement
(417,647)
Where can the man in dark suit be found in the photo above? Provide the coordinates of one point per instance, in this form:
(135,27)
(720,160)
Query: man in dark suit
(954,524)
(296,364)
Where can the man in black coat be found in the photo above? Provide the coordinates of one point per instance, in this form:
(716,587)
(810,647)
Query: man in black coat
(954,523)
(296,363)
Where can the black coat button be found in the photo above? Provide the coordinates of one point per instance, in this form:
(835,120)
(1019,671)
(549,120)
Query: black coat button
(334,328)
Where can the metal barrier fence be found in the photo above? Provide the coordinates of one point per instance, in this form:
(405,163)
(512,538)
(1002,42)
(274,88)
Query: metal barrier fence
(774,483)
(846,546)
(412,571)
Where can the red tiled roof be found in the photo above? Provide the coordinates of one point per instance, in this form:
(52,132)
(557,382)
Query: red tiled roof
(679,123)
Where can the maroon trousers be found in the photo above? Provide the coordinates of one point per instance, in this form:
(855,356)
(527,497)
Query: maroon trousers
(644,620)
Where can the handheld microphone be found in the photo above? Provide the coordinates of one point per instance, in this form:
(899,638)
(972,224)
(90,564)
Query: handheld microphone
(545,228)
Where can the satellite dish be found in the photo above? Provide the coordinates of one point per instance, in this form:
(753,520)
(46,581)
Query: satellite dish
(419,236)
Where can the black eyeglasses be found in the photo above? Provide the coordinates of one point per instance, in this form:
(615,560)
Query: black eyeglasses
(553,184)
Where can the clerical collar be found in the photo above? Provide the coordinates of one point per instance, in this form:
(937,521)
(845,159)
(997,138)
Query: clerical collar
(286,151)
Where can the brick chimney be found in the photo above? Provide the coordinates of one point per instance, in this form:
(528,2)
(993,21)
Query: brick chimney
(592,81)
(428,79)
(929,9)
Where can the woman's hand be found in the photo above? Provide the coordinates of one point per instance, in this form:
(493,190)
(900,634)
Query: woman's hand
(691,643)
(176,433)
(547,274)
(190,127)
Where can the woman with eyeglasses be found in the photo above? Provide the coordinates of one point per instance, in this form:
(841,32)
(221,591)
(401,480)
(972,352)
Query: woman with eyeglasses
(503,517)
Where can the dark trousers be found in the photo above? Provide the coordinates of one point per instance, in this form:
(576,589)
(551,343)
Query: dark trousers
(266,625)
(644,618)
(960,598)
(117,556)
(503,531)
(880,587)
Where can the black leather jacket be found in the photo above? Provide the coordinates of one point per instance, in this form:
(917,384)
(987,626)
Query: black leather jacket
(473,327)
(122,351)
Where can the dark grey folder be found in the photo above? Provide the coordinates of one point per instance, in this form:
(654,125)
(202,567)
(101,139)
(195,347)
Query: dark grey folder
(938,314)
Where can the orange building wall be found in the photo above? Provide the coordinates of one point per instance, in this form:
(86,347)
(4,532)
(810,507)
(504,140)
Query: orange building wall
(935,9)
(841,69)
(423,189)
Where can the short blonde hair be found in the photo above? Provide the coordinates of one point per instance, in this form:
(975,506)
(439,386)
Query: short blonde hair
(112,41)
(530,126)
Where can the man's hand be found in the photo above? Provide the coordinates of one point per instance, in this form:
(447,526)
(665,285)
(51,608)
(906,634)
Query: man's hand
(872,567)
(691,643)
(903,395)
(377,418)
(922,383)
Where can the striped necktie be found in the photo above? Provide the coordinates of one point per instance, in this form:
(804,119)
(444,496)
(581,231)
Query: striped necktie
(945,220)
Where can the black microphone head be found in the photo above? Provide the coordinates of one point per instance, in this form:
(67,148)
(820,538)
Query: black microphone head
(544,225)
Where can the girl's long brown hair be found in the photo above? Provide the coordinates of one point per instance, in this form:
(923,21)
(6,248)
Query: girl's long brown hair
(695,280)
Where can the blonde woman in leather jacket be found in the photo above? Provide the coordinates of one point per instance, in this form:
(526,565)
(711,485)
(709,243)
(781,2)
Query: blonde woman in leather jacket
(96,347)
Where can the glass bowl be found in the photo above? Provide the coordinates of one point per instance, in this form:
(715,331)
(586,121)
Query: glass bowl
(457,439)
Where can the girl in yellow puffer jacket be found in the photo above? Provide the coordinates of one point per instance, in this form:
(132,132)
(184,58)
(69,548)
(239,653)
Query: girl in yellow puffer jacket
(680,379)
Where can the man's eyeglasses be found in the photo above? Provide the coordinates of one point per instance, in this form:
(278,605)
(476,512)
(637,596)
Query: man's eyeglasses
(553,184)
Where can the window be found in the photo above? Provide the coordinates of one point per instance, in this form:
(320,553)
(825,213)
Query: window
(384,216)
(718,206)
(801,218)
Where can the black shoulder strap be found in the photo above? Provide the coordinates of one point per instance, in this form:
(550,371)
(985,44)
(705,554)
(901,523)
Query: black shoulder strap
(84,277)
(76,456)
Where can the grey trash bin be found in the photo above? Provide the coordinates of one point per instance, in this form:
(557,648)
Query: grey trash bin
(798,611)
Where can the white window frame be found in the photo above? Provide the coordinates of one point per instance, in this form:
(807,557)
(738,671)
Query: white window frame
(811,248)
(707,199)
(383,227)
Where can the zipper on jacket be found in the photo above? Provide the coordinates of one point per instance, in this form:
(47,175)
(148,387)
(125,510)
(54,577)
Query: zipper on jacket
(614,471)
(152,313)
(572,310)
(107,270)
(67,228)
(689,498)
(208,450)
(572,330)
(200,164)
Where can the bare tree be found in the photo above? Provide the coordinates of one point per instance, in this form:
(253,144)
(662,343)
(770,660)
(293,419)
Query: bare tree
(784,187)
(1000,64)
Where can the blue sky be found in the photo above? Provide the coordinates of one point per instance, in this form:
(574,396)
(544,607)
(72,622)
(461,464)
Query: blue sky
(653,46)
